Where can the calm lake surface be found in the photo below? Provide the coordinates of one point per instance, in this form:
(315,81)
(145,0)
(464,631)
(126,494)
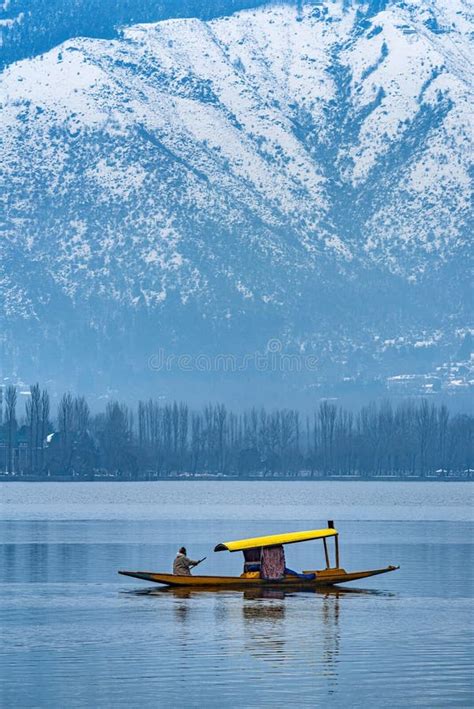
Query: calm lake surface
(75,634)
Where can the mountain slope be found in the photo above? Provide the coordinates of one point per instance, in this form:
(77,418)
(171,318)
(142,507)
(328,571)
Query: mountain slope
(292,172)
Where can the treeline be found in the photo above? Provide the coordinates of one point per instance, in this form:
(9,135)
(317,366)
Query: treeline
(415,438)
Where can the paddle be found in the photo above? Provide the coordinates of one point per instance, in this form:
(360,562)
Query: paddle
(201,560)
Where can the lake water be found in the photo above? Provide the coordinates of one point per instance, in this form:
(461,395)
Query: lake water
(75,634)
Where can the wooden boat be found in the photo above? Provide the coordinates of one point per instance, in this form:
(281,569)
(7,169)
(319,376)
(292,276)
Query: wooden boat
(328,576)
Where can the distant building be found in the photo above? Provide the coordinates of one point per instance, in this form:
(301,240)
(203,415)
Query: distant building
(411,384)
(19,449)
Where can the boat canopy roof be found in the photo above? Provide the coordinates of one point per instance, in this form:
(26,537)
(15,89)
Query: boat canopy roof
(276,539)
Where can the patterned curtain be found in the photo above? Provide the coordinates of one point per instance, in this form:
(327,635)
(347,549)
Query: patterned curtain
(273,563)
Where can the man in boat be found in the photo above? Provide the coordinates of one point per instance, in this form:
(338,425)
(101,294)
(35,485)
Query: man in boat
(182,565)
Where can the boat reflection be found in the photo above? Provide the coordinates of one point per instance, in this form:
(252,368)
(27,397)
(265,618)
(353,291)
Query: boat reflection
(255,593)
(261,622)
(269,617)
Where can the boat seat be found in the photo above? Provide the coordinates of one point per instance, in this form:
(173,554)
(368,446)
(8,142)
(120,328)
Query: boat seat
(303,576)
(252,567)
(250,575)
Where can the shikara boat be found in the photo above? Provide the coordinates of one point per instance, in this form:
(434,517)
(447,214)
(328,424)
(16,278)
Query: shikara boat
(264,565)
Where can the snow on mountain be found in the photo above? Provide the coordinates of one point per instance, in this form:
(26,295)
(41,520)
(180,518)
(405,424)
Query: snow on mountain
(306,167)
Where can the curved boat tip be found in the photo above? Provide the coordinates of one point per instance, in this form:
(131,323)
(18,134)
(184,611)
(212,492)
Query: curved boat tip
(145,575)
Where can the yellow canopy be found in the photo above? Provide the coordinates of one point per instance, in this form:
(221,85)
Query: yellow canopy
(274,539)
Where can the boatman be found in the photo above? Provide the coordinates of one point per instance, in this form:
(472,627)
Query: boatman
(182,565)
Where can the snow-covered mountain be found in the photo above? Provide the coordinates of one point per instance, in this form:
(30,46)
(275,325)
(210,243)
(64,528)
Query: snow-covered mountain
(298,172)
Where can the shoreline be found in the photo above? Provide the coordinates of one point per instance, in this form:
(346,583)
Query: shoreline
(232,478)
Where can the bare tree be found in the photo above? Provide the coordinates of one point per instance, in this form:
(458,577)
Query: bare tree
(117,439)
(11,424)
(33,418)
(425,424)
(220,425)
(327,418)
(66,428)
(182,435)
(81,415)
(45,425)
(443,429)
(196,440)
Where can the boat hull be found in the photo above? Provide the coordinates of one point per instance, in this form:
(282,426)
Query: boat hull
(325,577)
